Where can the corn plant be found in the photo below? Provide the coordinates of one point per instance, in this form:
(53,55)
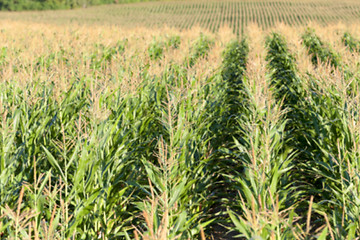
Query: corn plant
(262,185)
(350,42)
(109,139)
(156,49)
(234,64)
(174,41)
(318,50)
(335,164)
(199,49)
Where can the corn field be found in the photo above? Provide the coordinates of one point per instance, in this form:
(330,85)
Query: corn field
(108,133)
(207,14)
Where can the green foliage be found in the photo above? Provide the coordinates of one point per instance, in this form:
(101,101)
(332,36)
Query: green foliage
(335,163)
(156,49)
(234,63)
(105,55)
(179,155)
(350,42)
(199,49)
(227,109)
(284,75)
(98,170)
(318,50)
(263,181)
(3,56)
(232,72)
(320,134)
(174,41)
(19,5)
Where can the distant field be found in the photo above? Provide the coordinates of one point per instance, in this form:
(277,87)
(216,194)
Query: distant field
(209,14)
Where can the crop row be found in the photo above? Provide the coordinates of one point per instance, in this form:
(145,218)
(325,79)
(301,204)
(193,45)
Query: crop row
(211,15)
(165,139)
(237,14)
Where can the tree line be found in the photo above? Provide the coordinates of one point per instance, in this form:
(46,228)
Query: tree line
(18,5)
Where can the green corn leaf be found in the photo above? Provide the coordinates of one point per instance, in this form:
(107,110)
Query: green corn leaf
(53,162)
(323,234)
(239,225)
